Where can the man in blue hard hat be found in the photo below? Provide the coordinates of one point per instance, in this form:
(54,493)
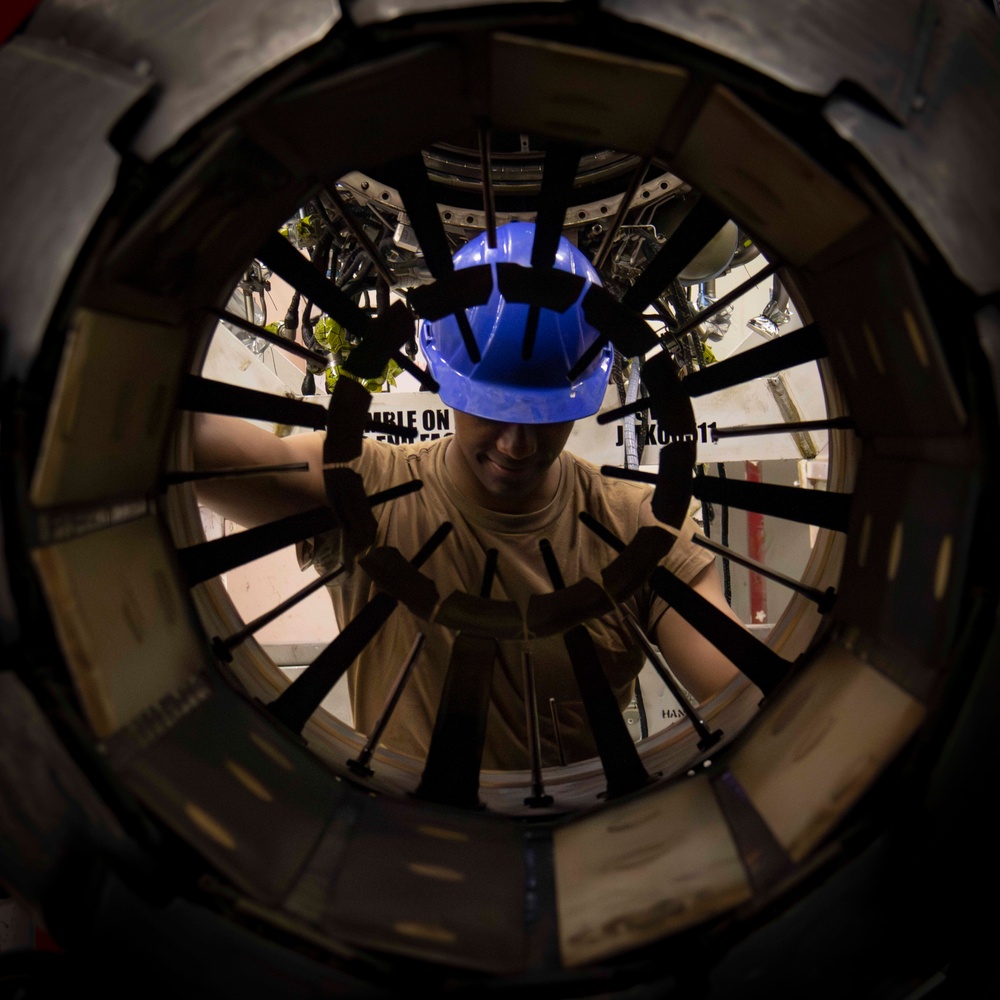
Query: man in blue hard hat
(504,481)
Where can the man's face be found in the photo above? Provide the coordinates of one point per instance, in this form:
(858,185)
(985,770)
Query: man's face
(506,467)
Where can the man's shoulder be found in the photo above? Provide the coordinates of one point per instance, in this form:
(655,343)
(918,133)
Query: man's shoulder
(588,478)
(387,453)
(383,464)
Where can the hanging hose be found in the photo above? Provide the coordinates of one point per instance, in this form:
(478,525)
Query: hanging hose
(641,707)
(633,453)
(290,325)
(727,582)
(776,309)
(707,508)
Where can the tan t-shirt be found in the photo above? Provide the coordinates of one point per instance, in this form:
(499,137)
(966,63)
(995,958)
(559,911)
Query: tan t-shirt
(406,523)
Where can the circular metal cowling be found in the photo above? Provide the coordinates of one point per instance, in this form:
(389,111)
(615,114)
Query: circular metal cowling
(169,832)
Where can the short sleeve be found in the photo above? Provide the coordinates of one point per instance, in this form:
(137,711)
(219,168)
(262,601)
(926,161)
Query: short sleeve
(686,560)
(380,466)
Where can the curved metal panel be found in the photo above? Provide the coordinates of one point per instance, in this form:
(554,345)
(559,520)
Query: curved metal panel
(953,195)
(61,104)
(643,868)
(800,208)
(125,570)
(47,805)
(200,52)
(380,887)
(365,12)
(810,47)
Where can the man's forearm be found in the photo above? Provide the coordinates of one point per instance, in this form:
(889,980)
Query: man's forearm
(226,442)
(696,662)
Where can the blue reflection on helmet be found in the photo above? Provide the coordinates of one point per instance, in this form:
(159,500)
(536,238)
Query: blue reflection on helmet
(502,386)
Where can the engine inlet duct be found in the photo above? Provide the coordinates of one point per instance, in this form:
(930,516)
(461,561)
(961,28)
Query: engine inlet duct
(177,817)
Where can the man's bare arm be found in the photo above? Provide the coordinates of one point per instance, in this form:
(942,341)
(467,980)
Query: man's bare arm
(698,665)
(226,442)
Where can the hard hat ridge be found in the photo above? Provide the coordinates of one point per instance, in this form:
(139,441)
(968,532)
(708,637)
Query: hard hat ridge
(503,385)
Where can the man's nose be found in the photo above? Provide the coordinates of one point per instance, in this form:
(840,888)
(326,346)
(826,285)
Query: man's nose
(517,441)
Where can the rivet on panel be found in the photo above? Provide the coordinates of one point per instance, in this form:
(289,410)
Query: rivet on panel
(873,348)
(69,407)
(849,359)
(630,824)
(916,338)
(436,871)
(272,751)
(122,418)
(132,613)
(442,833)
(895,551)
(943,569)
(210,826)
(156,411)
(429,932)
(248,781)
(165,595)
(866,537)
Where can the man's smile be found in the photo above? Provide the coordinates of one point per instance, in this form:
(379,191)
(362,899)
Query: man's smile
(508,467)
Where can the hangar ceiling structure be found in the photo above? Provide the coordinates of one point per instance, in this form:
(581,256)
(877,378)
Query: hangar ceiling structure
(168,804)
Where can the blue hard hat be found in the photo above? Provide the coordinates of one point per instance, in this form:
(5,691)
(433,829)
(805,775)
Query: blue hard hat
(501,385)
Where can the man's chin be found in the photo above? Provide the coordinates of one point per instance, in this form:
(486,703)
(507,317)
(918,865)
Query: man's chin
(508,486)
(508,482)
